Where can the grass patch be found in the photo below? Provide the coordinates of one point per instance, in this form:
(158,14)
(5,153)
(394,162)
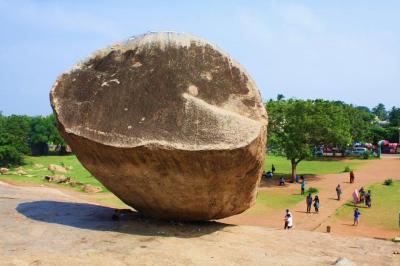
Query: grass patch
(384,212)
(317,167)
(276,199)
(35,174)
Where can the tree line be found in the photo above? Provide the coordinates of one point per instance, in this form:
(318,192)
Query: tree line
(27,135)
(297,128)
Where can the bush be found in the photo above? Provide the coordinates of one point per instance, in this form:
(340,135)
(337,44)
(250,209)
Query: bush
(9,156)
(312,190)
(388,182)
(347,169)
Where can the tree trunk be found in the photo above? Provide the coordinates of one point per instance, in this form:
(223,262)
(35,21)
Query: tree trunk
(294,165)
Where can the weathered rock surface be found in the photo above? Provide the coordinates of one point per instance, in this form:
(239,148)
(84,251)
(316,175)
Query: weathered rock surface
(169,123)
(91,189)
(57,178)
(3,170)
(57,168)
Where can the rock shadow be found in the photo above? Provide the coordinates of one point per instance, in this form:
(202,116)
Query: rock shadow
(100,218)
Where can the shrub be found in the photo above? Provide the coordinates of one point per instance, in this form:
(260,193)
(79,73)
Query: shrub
(9,156)
(367,155)
(388,182)
(312,190)
(347,169)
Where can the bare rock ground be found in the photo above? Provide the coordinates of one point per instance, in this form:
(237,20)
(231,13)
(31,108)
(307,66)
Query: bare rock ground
(43,226)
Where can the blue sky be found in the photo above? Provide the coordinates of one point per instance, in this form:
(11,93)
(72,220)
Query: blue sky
(339,50)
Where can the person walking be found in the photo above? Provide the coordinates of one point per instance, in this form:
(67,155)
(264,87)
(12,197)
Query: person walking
(303,185)
(338,191)
(368,199)
(288,220)
(316,204)
(351,177)
(309,201)
(356,216)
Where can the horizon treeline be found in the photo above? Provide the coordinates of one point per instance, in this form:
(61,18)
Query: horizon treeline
(31,135)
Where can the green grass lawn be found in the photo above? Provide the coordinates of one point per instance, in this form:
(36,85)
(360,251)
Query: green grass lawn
(273,199)
(35,174)
(316,167)
(385,209)
(278,199)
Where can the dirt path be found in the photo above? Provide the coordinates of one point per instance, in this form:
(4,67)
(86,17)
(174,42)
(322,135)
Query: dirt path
(43,226)
(374,171)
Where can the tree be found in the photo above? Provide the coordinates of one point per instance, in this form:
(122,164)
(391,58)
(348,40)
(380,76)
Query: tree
(14,133)
(380,111)
(55,136)
(43,131)
(361,122)
(280,97)
(297,127)
(394,117)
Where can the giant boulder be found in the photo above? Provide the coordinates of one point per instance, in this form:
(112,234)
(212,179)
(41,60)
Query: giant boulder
(169,123)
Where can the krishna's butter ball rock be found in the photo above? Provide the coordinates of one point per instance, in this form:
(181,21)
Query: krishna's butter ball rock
(167,122)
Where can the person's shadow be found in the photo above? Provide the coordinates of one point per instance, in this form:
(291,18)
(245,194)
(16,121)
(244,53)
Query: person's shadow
(100,218)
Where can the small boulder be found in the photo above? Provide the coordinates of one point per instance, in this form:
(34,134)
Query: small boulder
(3,170)
(57,168)
(21,172)
(57,178)
(91,189)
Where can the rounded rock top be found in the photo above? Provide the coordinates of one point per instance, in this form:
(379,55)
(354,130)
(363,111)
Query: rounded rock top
(166,89)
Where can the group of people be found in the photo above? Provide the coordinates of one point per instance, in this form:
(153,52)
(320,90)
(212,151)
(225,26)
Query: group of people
(269,174)
(310,200)
(360,196)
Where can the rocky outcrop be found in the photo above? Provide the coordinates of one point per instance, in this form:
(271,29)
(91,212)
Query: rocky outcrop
(169,123)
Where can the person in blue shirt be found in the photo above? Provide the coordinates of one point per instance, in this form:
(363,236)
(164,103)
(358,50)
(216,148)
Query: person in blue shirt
(356,216)
(303,185)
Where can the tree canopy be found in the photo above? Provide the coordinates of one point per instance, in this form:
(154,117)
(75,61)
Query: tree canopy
(26,135)
(297,127)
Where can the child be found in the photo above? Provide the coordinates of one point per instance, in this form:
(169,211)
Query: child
(316,204)
(356,216)
(303,185)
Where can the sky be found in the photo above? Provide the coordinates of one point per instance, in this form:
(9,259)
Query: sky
(336,50)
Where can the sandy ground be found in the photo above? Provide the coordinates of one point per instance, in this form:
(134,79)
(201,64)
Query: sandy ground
(44,226)
(374,171)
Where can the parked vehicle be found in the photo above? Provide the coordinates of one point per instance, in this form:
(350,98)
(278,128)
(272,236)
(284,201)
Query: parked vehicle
(359,151)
